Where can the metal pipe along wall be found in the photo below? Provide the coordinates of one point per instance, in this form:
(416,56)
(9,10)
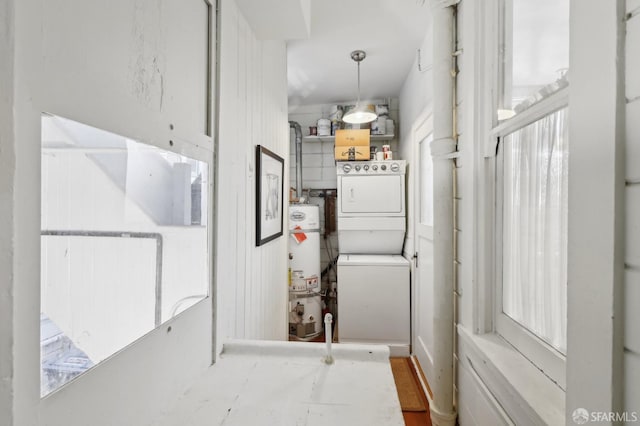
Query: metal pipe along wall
(443,150)
(296,127)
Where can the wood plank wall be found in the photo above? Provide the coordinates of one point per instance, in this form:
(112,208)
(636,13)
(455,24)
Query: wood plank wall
(251,281)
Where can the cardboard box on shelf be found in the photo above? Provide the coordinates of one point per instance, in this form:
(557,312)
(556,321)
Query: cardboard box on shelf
(352,144)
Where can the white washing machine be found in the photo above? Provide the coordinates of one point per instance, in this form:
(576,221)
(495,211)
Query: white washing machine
(371,207)
(373,301)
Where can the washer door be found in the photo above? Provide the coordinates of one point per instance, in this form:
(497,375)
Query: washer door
(372,194)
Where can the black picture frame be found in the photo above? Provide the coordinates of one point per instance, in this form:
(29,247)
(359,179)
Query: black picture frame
(269,195)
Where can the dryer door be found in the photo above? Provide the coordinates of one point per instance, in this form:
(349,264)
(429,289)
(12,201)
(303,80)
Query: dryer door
(372,194)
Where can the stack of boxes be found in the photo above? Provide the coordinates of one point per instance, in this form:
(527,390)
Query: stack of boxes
(352,145)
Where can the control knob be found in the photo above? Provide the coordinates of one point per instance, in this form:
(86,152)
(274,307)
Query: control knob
(357,168)
(346,168)
(365,167)
(374,167)
(383,167)
(395,167)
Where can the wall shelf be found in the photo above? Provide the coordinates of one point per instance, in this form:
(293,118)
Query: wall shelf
(374,138)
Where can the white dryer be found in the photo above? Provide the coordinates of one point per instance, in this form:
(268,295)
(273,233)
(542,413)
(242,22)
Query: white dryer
(371,207)
(373,301)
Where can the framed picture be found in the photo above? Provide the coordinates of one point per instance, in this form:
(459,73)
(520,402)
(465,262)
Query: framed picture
(269,195)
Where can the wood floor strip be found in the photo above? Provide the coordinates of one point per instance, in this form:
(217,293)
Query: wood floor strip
(408,390)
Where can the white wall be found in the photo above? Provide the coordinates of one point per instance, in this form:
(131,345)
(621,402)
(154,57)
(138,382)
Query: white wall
(7,202)
(252,281)
(136,68)
(632,196)
(132,69)
(415,101)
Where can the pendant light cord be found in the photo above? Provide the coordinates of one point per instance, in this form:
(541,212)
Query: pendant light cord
(359,115)
(358,102)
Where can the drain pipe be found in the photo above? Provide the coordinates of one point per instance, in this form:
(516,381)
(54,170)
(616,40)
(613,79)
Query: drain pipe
(295,126)
(443,151)
(328,319)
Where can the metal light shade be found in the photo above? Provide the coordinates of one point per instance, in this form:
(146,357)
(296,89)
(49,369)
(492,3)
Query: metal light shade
(361,113)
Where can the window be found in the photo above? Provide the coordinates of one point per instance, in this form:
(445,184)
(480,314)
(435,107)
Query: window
(534,227)
(124,243)
(534,49)
(531,181)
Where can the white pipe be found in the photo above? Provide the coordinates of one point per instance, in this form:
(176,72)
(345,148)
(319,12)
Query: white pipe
(328,319)
(298,144)
(443,150)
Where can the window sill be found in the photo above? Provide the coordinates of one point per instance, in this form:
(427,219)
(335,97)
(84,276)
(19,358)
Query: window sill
(526,394)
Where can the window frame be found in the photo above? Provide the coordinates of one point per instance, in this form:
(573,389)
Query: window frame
(544,356)
(488,316)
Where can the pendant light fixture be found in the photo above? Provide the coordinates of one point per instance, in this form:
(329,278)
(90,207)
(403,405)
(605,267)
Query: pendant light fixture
(360,113)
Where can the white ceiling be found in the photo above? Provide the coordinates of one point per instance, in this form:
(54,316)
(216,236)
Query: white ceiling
(320,68)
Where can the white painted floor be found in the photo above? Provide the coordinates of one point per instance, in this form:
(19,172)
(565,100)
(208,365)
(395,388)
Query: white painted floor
(287,383)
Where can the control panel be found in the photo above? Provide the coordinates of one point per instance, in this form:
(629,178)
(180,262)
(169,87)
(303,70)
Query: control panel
(388,167)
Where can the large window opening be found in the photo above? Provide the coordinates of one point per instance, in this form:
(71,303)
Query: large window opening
(124,243)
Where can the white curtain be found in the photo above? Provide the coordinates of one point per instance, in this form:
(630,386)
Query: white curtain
(535,180)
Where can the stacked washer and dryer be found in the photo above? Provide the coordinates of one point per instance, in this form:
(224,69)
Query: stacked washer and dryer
(373,276)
